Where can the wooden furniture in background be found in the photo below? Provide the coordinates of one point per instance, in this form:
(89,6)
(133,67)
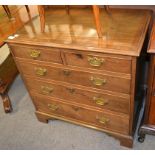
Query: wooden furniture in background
(148,126)
(21,16)
(96,11)
(73,75)
(8,72)
(8,12)
(8,69)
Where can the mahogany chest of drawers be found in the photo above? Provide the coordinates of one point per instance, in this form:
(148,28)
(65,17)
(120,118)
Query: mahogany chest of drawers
(74,76)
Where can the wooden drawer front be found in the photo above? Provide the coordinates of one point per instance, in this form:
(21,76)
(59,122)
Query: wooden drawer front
(41,54)
(73,94)
(97,62)
(119,123)
(88,79)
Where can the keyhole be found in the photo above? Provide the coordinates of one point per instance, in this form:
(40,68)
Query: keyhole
(79,56)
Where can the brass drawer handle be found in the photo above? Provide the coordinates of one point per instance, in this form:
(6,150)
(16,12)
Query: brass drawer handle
(34,54)
(96,62)
(71,90)
(46,90)
(53,107)
(66,72)
(40,71)
(98,81)
(102,120)
(100,101)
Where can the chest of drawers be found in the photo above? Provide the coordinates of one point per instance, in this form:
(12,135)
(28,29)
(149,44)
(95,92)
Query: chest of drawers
(74,76)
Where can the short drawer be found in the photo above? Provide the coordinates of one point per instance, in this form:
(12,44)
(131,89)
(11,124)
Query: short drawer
(88,79)
(36,53)
(71,93)
(103,62)
(105,120)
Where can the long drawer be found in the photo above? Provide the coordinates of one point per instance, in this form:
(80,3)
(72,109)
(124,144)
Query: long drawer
(105,120)
(84,78)
(99,62)
(74,94)
(35,53)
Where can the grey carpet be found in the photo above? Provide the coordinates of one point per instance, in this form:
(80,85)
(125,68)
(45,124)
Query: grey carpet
(22,130)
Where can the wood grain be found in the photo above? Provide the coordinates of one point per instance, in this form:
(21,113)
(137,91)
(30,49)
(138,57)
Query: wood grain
(79,32)
(115,123)
(20,16)
(113,102)
(45,55)
(77,77)
(110,63)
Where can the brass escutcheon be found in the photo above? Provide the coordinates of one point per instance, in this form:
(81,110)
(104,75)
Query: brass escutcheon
(76,108)
(71,90)
(66,72)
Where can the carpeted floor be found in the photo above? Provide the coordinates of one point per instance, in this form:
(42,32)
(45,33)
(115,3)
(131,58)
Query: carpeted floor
(22,130)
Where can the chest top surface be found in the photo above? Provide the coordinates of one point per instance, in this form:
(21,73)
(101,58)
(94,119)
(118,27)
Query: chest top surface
(123,31)
(151,48)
